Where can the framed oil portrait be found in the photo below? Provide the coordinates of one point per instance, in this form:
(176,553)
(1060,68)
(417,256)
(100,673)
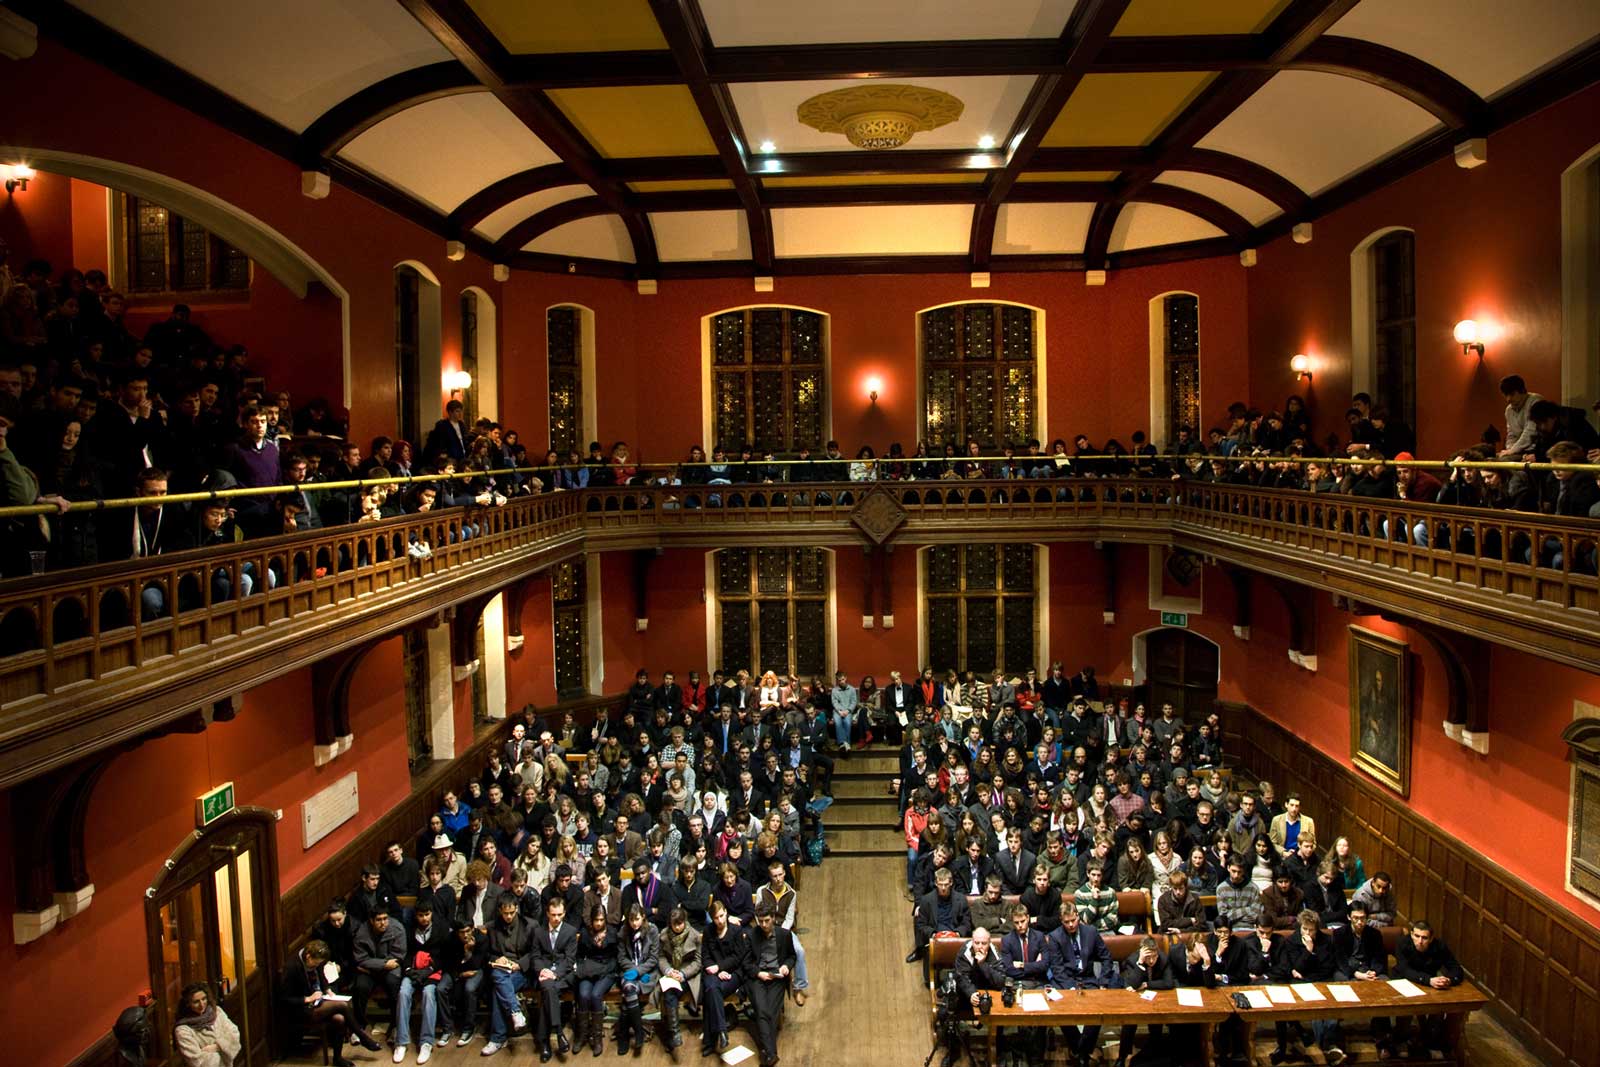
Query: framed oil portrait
(1380,708)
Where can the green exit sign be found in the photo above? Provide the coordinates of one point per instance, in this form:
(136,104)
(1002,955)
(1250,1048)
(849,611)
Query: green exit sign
(1175,618)
(213,805)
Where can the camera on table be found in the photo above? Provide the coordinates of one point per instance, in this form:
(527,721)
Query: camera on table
(1008,995)
(985,1002)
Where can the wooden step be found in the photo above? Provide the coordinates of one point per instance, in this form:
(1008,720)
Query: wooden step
(865,841)
(855,790)
(867,762)
(886,815)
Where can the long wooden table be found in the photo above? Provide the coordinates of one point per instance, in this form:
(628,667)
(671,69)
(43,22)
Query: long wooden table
(1124,1007)
(1378,1000)
(1115,1007)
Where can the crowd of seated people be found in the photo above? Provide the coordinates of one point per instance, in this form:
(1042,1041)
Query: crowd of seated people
(1030,814)
(650,856)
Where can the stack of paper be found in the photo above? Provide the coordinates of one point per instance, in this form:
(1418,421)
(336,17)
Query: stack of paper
(1344,994)
(1034,1002)
(1406,987)
(1191,998)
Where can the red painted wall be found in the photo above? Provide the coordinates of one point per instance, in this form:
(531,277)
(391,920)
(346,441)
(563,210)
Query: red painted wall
(38,223)
(1488,248)
(90,237)
(94,965)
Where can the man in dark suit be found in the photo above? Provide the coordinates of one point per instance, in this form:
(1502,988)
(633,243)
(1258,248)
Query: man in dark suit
(1023,955)
(668,696)
(554,955)
(1148,968)
(976,969)
(1015,863)
(1076,957)
(942,911)
(772,965)
(899,699)
(973,869)
(449,435)
(722,730)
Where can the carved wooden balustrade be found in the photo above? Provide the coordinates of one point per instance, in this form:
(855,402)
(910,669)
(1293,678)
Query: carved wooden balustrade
(79,662)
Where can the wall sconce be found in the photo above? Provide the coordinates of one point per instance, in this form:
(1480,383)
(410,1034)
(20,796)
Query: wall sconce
(1467,337)
(18,177)
(874,387)
(457,382)
(1300,363)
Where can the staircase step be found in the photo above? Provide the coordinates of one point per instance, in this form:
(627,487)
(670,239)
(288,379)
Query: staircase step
(883,815)
(846,790)
(868,762)
(865,841)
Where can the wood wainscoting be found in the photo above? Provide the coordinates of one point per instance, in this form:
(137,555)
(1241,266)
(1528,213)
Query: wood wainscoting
(1539,962)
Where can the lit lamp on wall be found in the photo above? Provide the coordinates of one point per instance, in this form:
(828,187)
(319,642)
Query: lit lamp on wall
(1300,363)
(17,177)
(1467,337)
(874,387)
(457,382)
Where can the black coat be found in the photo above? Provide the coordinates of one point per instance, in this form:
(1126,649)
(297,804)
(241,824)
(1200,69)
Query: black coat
(729,953)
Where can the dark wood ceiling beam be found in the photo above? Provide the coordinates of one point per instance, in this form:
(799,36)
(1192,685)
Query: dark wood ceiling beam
(1425,85)
(541,222)
(1090,25)
(1224,218)
(684,28)
(1269,183)
(491,198)
(909,59)
(359,112)
(456,27)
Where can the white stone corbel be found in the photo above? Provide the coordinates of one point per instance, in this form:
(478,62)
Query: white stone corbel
(1478,742)
(455,251)
(1108,617)
(75,902)
(322,755)
(502,272)
(888,622)
(29,926)
(1302,233)
(1247,258)
(343,742)
(1452,730)
(763,285)
(1472,153)
(19,39)
(866,622)
(641,625)
(1094,277)
(1242,632)
(648,286)
(980,279)
(515,642)
(315,184)
(466,671)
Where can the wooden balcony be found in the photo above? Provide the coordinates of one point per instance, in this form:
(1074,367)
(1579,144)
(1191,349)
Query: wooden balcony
(80,666)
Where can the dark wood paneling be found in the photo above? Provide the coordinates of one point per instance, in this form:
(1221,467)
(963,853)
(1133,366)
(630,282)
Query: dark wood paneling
(1539,962)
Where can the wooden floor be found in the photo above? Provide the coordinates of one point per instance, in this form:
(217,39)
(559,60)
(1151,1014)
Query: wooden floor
(867,1006)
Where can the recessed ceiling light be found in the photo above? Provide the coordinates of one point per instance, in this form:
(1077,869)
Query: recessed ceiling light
(768,147)
(986,142)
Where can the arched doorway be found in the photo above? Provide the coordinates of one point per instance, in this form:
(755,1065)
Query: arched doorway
(211,916)
(1180,669)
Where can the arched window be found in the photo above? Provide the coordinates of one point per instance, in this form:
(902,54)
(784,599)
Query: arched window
(570,600)
(769,384)
(981,605)
(1180,345)
(565,337)
(479,354)
(418,374)
(1580,280)
(772,607)
(1383,326)
(980,379)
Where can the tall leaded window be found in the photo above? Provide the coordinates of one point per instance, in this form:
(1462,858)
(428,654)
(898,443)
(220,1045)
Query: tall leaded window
(469,352)
(773,607)
(163,252)
(414,671)
(1180,315)
(569,597)
(981,607)
(564,341)
(769,383)
(978,375)
(408,350)
(1395,314)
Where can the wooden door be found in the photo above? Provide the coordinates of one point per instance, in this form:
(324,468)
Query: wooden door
(1181,669)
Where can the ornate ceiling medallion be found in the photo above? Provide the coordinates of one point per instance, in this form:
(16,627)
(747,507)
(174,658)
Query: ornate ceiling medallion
(880,116)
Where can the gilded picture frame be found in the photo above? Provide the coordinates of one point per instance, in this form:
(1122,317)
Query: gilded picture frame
(1380,708)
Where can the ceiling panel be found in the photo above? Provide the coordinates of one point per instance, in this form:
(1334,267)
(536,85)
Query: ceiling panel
(767,112)
(291,60)
(571,25)
(599,237)
(445,150)
(1162,18)
(497,223)
(1487,45)
(628,121)
(1147,225)
(766,22)
(1316,129)
(1068,176)
(1035,228)
(687,186)
(700,235)
(1123,109)
(864,231)
(1247,202)
(963,178)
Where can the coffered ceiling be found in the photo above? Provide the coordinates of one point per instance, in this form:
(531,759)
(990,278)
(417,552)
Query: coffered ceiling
(655,138)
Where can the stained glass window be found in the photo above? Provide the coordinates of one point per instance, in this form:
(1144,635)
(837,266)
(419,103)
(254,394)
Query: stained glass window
(568,595)
(1395,302)
(981,607)
(978,375)
(1181,317)
(773,606)
(769,379)
(163,252)
(563,344)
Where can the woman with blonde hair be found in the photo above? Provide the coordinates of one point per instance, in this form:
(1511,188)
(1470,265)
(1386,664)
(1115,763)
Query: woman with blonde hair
(1164,860)
(770,697)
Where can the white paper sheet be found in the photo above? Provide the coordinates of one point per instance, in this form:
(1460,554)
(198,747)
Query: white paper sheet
(1035,1002)
(1345,994)
(737,1054)
(1257,998)
(1191,998)
(1053,994)
(670,983)
(1406,987)
(1307,992)
(1280,994)
(1148,994)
